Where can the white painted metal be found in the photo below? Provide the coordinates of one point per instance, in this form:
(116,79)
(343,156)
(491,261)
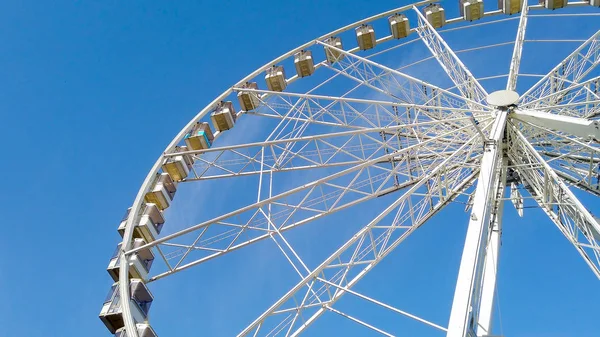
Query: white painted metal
(452,65)
(565,74)
(502,98)
(398,85)
(463,316)
(378,186)
(420,137)
(578,225)
(492,256)
(577,162)
(515,62)
(417,211)
(579,127)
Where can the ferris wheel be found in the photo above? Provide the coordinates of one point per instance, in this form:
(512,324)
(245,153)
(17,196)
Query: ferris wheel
(386,119)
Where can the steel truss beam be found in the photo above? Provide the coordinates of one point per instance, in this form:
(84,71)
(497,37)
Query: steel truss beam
(578,100)
(515,62)
(566,74)
(462,78)
(579,127)
(302,110)
(466,306)
(312,201)
(446,180)
(318,151)
(344,111)
(576,162)
(398,85)
(433,107)
(562,207)
(333,111)
(312,296)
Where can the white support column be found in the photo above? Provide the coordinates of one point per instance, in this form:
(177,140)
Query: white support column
(488,288)
(466,295)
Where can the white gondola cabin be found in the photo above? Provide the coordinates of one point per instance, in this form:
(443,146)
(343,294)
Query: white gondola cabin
(275,78)
(162,192)
(141,299)
(471,9)
(435,15)
(331,54)
(143,330)
(365,36)
(553,4)
(200,137)
(305,66)
(399,26)
(178,167)
(149,225)
(139,263)
(224,116)
(248,100)
(510,6)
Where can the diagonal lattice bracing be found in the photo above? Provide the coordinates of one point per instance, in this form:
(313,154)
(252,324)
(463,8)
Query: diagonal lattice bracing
(576,161)
(314,200)
(346,112)
(515,62)
(311,297)
(400,86)
(568,73)
(462,78)
(578,100)
(578,225)
(385,134)
(320,151)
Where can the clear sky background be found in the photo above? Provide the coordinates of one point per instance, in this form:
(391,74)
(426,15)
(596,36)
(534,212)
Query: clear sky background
(91,93)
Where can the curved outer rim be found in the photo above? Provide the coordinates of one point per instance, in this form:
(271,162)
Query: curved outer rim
(130,325)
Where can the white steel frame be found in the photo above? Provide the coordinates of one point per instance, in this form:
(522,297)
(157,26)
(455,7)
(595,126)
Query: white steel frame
(425,143)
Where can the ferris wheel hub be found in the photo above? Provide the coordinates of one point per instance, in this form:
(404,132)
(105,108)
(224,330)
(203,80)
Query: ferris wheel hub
(502,98)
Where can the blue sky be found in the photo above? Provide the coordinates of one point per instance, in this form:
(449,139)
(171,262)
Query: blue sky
(92,92)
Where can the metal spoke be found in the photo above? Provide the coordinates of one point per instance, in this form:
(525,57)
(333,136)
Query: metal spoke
(398,85)
(318,198)
(576,162)
(355,131)
(346,111)
(360,254)
(356,320)
(567,73)
(577,100)
(578,225)
(464,81)
(515,62)
(318,151)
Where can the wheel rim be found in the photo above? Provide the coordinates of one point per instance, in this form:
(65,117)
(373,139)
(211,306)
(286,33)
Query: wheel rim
(355,121)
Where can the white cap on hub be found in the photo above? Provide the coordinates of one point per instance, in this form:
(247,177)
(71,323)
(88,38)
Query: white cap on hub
(502,98)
